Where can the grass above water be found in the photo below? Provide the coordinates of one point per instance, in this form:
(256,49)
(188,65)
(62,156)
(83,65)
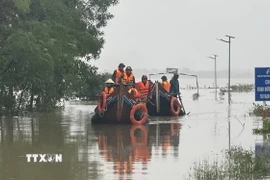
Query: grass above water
(242,87)
(258,110)
(265,128)
(236,164)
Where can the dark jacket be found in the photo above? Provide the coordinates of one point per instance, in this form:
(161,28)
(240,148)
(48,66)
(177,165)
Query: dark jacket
(174,86)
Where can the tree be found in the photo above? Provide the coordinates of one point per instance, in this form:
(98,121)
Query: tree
(41,47)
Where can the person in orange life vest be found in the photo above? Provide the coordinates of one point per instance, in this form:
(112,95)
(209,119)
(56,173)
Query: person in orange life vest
(135,96)
(144,87)
(133,91)
(128,76)
(118,73)
(108,89)
(165,83)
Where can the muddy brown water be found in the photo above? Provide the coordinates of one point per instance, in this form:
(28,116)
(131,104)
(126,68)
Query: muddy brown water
(164,149)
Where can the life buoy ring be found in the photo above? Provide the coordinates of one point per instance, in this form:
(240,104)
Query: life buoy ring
(174,102)
(172,129)
(133,137)
(143,109)
(175,127)
(103,146)
(102,102)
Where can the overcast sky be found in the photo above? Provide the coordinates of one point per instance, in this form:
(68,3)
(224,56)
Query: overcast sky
(182,33)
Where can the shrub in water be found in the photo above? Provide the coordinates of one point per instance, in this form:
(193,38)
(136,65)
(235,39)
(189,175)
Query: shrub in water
(237,163)
(258,110)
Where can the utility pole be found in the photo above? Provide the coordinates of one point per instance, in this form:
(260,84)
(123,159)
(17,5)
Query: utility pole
(215,61)
(229,71)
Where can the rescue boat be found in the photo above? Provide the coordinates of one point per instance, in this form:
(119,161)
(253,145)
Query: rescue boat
(119,107)
(161,103)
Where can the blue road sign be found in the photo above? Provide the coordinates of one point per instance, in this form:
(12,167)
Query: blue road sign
(262,84)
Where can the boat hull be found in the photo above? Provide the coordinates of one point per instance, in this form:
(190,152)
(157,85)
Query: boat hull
(110,115)
(159,102)
(118,108)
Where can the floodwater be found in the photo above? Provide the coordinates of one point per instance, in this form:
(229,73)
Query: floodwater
(164,149)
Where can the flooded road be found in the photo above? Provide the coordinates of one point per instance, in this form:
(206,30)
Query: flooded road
(164,149)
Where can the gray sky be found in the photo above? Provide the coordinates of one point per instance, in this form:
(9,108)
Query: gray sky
(182,33)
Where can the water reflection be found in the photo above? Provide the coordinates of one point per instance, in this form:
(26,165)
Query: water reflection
(262,145)
(127,146)
(43,135)
(89,152)
(229,125)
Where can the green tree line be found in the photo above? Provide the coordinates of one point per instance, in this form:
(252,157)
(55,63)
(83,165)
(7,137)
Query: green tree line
(45,51)
(242,87)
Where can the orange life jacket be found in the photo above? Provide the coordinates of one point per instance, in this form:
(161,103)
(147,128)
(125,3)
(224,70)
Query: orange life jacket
(166,85)
(118,75)
(135,91)
(127,78)
(144,88)
(108,91)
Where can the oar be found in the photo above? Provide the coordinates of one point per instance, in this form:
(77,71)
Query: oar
(180,99)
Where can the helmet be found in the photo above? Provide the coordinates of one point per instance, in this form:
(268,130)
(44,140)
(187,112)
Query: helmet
(164,78)
(144,77)
(128,68)
(109,81)
(121,65)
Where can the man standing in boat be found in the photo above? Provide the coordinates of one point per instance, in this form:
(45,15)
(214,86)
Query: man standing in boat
(174,89)
(118,73)
(128,76)
(165,84)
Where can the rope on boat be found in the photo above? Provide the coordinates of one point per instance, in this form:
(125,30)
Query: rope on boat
(101,114)
(106,108)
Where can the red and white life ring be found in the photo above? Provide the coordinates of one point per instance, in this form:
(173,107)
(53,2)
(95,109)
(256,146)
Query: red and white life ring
(143,109)
(175,103)
(102,102)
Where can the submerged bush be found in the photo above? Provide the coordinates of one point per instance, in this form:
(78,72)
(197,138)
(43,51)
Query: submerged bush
(242,88)
(265,128)
(258,110)
(237,164)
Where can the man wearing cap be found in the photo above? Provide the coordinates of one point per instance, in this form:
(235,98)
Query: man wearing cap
(128,76)
(165,84)
(174,90)
(108,89)
(118,73)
